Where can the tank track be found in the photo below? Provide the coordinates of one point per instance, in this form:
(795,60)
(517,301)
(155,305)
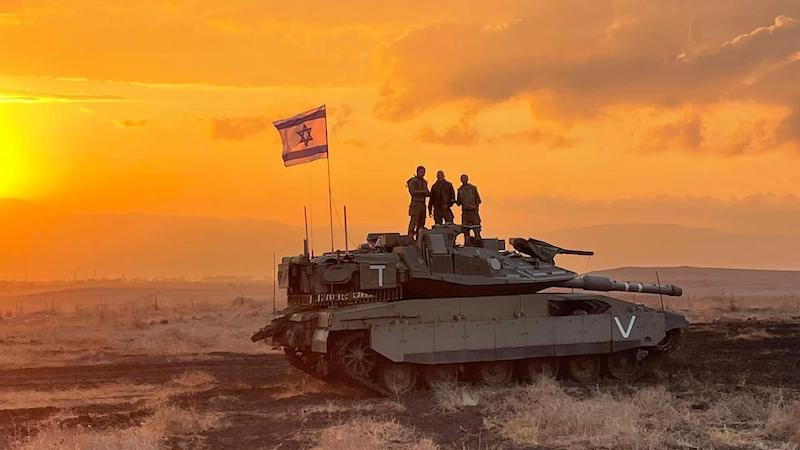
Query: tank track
(326,368)
(653,361)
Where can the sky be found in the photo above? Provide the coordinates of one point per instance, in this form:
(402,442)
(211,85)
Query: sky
(563,113)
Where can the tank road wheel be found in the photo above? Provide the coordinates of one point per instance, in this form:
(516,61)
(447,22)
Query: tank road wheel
(584,368)
(624,366)
(496,373)
(356,358)
(398,378)
(440,374)
(541,367)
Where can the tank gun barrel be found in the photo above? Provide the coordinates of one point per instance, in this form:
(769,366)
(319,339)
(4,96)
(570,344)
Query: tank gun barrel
(598,283)
(565,251)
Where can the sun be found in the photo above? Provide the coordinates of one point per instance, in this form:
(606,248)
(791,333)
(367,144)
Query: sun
(13,164)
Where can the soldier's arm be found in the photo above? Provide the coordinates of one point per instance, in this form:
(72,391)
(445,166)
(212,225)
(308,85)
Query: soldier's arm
(451,196)
(458,198)
(477,196)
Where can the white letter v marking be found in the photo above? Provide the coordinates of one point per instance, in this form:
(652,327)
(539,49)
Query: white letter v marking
(625,333)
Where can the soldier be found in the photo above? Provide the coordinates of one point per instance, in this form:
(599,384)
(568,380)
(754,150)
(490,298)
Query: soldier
(418,188)
(442,198)
(470,201)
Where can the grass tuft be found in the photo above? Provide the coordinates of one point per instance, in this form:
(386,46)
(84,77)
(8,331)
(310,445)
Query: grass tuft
(364,433)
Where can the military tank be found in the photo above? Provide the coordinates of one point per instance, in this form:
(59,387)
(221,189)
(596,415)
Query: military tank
(396,314)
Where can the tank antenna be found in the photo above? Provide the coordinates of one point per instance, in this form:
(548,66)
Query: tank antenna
(660,294)
(345,229)
(305,241)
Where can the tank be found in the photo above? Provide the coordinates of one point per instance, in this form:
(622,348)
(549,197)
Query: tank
(397,314)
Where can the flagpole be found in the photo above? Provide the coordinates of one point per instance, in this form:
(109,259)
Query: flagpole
(330,194)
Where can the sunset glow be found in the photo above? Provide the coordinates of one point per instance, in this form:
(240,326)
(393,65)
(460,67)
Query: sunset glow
(165,107)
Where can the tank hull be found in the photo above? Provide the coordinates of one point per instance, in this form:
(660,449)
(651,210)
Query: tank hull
(468,332)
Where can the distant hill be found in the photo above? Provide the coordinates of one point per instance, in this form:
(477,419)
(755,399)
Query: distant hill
(52,244)
(705,281)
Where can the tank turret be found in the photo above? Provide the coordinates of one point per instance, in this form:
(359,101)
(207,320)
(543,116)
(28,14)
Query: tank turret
(391,266)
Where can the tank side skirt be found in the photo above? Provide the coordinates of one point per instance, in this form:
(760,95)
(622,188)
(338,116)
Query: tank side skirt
(461,342)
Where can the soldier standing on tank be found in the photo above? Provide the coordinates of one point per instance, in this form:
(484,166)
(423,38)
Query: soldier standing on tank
(470,201)
(443,196)
(418,188)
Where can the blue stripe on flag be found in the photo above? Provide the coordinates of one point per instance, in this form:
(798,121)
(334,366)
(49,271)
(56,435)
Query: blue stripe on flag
(298,120)
(305,153)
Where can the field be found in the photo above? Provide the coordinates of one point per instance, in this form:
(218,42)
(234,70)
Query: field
(146,365)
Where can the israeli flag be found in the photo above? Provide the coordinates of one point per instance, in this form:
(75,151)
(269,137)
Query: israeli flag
(304,136)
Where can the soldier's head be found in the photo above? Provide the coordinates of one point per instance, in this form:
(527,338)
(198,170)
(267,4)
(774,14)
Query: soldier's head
(420,171)
(464,179)
(440,175)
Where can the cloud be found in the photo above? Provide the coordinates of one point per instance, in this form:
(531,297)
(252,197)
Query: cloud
(131,123)
(22,96)
(246,43)
(238,128)
(687,132)
(548,138)
(575,59)
(461,133)
(341,116)
(13,19)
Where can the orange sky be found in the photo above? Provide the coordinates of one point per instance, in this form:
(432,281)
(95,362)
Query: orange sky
(109,106)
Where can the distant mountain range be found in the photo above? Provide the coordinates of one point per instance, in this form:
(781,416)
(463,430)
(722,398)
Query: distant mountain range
(50,244)
(705,281)
(54,245)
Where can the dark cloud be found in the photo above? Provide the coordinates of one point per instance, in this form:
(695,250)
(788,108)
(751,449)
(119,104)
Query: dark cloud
(576,58)
(238,128)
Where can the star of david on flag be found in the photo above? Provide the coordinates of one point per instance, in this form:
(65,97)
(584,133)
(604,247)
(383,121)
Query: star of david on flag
(304,136)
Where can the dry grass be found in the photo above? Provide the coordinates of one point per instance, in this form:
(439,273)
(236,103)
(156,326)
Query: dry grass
(107,394)
(453,397)
(305,385)
(545,414)
(783,422)
(100,333)
(167,421)
(368,434)
(195,379)
(754,335)
(339,407)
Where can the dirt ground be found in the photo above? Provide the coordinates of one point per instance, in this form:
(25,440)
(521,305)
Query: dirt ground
(267,404)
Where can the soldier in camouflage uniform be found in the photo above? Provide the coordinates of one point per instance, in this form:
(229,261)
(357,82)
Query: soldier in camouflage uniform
(418,189)
(469,200)
(443,196)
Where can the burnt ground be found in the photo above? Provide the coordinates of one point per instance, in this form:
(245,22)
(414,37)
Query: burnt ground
(263,408)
